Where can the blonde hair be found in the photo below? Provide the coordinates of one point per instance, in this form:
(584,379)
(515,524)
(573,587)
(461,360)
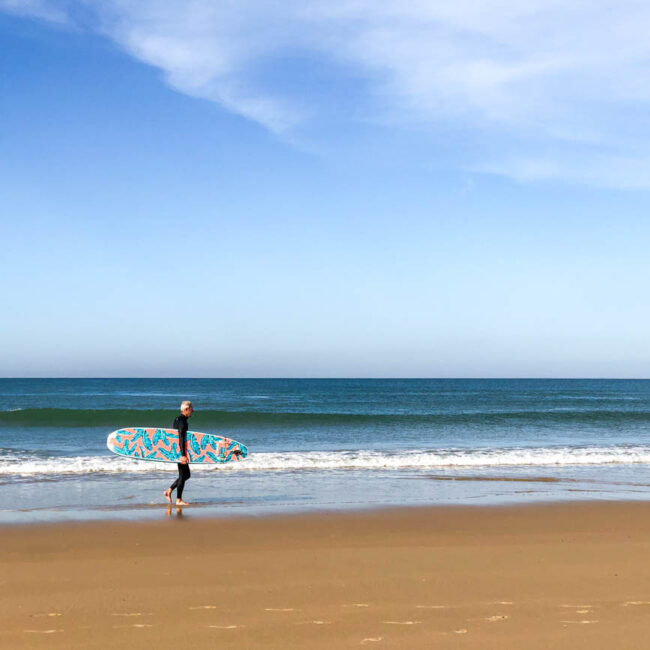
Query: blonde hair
(185,404)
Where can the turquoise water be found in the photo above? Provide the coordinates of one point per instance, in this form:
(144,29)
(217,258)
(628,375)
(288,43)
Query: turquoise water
(324,444)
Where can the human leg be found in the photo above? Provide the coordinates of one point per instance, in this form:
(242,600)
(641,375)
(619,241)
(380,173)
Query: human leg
(176,483)
(184,474)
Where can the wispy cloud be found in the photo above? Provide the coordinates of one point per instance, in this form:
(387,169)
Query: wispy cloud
(42,9)
(568,86)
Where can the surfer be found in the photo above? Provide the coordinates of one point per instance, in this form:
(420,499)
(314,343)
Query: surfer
(181,425)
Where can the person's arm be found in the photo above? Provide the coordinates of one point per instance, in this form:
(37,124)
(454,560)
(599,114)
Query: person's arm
(182,440)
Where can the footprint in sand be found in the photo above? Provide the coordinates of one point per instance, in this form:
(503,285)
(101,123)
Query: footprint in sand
(578,622)
(203,607)
(279,609)
(432,606)
(461,631)
(46,614)
(128,614)
(42,631)
(371,639)
(225,627)
(357,605)
(635,602)
(402,622)
(314,623)
(496,617)
(136,625)
(579,609)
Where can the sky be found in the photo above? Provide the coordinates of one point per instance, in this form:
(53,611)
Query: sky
(324,189)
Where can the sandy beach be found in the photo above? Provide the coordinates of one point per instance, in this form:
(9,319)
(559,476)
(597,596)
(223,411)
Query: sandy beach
(550,576)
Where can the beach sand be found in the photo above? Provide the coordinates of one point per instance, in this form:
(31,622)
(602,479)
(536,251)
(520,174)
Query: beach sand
(550,576)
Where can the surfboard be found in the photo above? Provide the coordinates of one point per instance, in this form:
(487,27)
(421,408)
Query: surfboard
(142,443)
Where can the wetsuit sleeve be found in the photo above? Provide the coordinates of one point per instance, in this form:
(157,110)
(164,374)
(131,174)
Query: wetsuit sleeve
(181,425)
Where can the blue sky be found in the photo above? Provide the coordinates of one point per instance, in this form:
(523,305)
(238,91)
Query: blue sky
(324,189)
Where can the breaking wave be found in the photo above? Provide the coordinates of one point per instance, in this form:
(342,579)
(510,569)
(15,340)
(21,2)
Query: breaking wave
(27,465)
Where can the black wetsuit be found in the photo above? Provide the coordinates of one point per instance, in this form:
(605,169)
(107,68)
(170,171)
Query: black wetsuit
(180,424)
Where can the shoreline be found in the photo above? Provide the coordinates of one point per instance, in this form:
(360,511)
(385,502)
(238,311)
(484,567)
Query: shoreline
(190,514)
(531,576)
(215,495)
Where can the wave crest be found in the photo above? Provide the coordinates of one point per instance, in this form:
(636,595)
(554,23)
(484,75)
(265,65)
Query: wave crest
(343,460)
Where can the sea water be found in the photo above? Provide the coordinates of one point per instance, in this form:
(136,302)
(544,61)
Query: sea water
(324,444)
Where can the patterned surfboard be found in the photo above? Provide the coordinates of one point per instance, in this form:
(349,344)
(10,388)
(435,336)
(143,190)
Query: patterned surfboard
(162,445)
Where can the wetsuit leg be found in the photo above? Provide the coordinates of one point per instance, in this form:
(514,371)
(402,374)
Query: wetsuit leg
(183,475)
(180,480)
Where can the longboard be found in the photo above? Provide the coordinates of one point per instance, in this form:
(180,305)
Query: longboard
(162,445)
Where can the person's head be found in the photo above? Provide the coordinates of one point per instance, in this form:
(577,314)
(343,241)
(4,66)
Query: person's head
(187,409)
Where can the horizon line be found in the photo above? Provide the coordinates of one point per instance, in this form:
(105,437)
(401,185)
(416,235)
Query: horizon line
(307,378)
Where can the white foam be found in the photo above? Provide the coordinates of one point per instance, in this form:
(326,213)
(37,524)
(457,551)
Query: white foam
(341,460)
(430,459)
(75,465)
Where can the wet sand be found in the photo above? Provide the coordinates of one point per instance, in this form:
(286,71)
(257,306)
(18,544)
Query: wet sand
(552,576)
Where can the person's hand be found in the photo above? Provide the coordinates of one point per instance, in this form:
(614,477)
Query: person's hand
(184,460)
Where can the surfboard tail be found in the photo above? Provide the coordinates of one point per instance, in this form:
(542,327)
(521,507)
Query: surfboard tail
(111,441)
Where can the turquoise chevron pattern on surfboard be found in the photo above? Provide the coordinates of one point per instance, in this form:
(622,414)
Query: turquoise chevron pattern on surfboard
(144,443)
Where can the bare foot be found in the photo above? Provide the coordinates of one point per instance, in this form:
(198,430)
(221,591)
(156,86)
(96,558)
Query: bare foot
(168,495)
(180,502)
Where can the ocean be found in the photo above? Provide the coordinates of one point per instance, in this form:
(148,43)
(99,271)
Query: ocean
(320,444)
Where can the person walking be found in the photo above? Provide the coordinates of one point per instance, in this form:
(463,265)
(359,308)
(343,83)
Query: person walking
(181,425)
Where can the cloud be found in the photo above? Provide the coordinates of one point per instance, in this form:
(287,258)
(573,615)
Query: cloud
(612,171)
(41,9)
(567,85)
